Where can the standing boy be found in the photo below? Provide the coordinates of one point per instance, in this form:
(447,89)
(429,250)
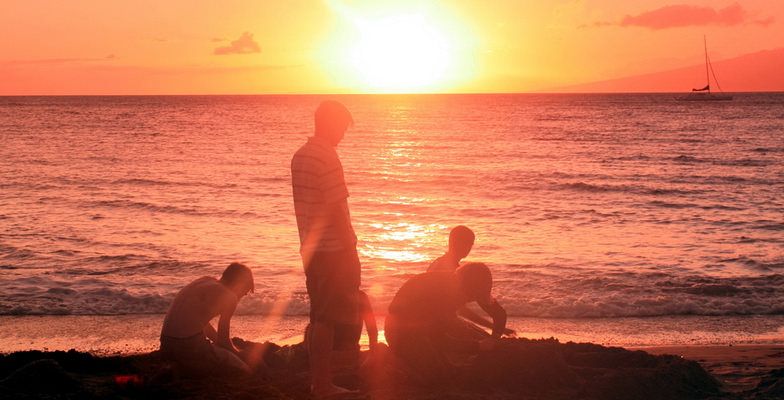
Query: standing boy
(328,244)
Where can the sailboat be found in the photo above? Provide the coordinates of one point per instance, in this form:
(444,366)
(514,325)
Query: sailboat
(705,94)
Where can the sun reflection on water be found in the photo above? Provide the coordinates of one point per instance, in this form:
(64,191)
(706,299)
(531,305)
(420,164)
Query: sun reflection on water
(399,241)
(395,255)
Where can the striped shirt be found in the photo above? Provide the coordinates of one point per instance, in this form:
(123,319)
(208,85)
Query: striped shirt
(317,182)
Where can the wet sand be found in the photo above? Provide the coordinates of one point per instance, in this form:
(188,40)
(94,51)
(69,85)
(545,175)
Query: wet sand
(517,369)
(138,333)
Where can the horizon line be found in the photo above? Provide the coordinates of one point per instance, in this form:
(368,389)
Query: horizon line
(365,94)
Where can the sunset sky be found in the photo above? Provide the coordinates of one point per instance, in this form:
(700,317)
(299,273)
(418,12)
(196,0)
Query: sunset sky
(365,46)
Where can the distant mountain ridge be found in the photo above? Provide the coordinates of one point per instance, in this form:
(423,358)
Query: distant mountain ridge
(762,71)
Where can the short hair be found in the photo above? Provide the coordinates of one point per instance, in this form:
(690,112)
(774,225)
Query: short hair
(331,115)
(238,273)
(461,237)
(476,280)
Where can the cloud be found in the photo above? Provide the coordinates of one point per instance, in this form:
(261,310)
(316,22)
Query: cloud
(682,15)
(244,45)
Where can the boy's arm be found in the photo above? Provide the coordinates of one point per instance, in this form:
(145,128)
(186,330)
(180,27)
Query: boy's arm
(224,323)
(466,313)
(210,332)
(370,319)
(341,221)
(333,216)
(498,314)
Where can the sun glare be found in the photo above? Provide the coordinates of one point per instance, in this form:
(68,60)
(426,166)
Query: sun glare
(400,53)
(386,50)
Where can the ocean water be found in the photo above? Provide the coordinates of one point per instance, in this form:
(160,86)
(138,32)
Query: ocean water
(603,206)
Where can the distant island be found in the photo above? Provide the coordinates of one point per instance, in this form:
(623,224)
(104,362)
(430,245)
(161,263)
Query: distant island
(746,73)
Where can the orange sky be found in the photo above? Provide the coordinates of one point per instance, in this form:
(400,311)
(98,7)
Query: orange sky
(328,46)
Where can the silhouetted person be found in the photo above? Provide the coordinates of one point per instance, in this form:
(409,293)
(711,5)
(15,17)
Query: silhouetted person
(347,338)
(369,319)
(423,329)
(346,341)
(189,340)
(328,244)
(461,240)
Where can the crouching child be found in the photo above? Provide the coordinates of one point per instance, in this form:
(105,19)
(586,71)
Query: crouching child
(188,339)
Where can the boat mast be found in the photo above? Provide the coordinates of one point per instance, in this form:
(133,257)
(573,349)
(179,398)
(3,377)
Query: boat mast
(707,76)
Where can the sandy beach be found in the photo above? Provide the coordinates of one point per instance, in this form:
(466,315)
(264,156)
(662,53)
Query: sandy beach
(83,356)
(542,369)
(36,363)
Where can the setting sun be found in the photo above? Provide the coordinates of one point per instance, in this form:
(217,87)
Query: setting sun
(400,53)
(397,50)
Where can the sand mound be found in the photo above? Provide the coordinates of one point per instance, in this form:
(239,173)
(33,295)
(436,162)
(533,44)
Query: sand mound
(516,369)
(547,368)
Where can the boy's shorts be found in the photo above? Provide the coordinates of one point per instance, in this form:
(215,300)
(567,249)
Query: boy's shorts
(195,355)
(332,280)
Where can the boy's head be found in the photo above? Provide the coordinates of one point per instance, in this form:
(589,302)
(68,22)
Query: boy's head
(239,278)
(332,120)
(461,240)
(476,281)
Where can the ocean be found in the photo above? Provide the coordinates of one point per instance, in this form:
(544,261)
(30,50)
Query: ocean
(620,216)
